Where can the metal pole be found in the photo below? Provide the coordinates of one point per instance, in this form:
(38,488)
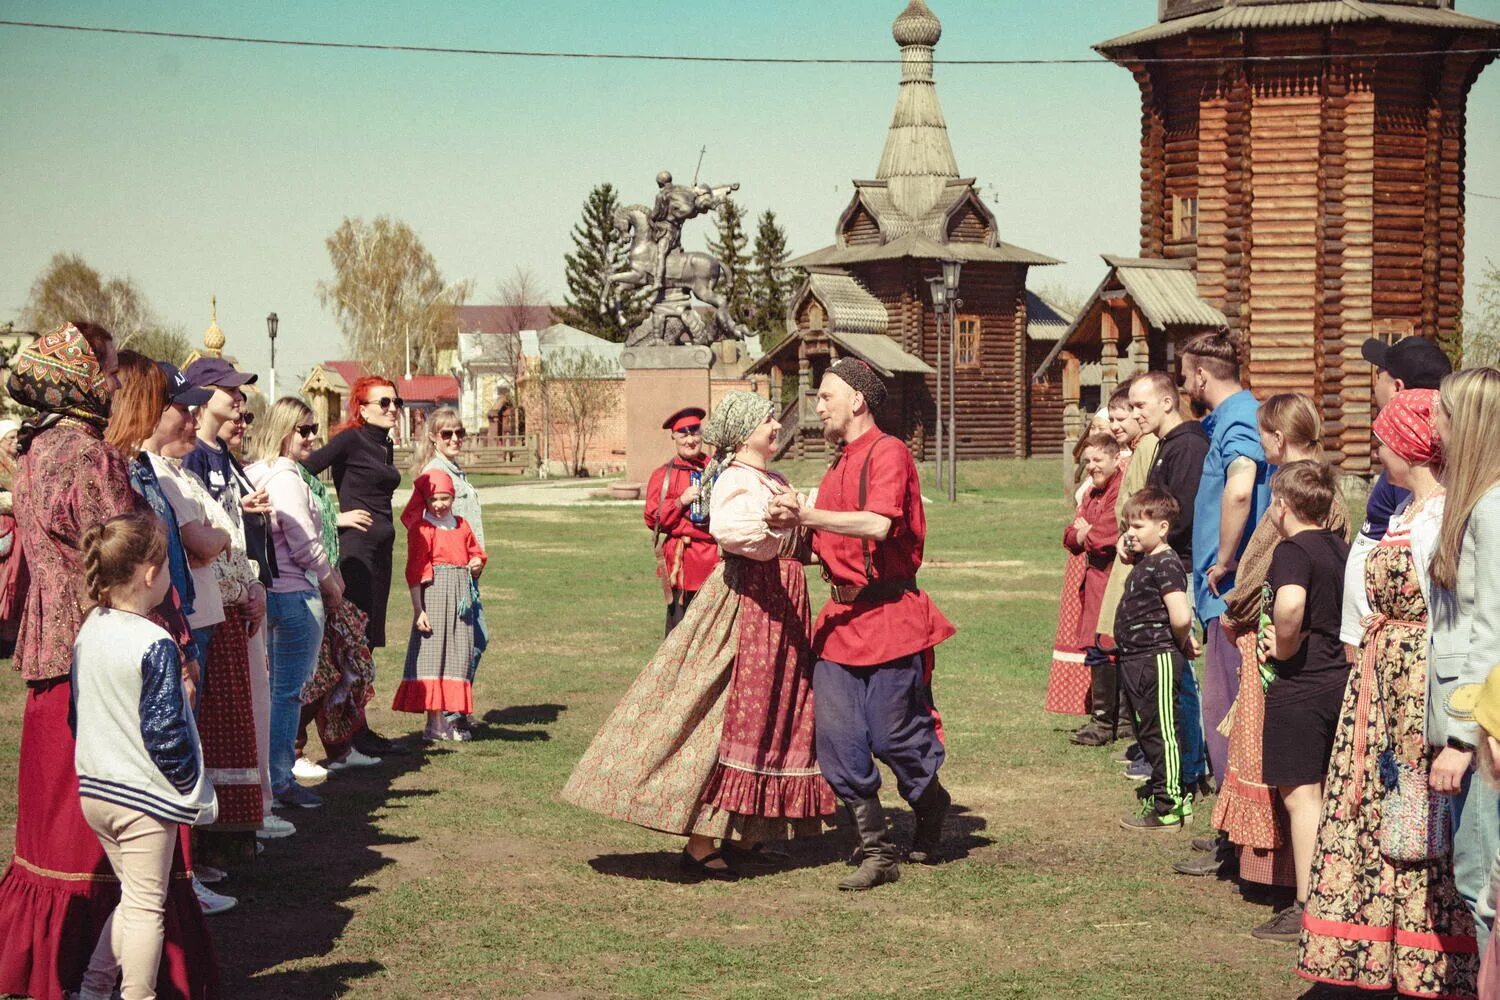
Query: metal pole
(952,405)
(937,323)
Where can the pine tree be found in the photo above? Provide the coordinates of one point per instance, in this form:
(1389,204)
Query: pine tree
(771,282)
(590,304)
(730,248)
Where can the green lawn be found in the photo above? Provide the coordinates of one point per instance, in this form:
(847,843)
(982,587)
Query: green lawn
(457,872)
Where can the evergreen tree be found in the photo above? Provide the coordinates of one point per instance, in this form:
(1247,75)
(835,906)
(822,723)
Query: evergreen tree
(730,248)
(771,283)
(590,304)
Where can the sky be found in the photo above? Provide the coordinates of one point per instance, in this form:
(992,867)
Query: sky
(205,169)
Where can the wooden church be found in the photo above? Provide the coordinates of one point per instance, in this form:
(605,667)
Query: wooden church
(867,294)
(1302,183)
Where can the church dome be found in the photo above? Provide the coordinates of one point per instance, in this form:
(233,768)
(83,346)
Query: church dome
(917,25)
(213,337)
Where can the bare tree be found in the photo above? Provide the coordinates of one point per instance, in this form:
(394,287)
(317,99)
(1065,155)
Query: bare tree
(1481,338)
(523,302)
(1067,298)
(389,297)
(578,389)
(69,289)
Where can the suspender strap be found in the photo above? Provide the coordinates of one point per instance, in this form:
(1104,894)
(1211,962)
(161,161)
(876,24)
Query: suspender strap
(864,489)
(666,484)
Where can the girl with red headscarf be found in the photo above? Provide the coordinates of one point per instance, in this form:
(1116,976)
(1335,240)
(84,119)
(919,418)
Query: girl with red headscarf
(443,560)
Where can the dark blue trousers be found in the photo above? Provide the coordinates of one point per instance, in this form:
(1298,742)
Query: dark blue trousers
(884,713)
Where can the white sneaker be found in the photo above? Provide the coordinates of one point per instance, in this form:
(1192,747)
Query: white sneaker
(273,827)
(212,902)
(306,770)
(352,759)
(208,874)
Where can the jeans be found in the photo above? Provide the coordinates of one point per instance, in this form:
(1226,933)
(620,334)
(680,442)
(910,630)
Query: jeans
(294,627)
(1476,842)
(202,638)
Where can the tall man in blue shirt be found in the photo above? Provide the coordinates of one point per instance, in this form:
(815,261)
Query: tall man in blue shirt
(1232,495)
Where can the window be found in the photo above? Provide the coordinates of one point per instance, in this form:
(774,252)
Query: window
(1185,217)
(966,342)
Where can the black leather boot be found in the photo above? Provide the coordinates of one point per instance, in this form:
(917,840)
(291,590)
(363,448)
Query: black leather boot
(880,863)
(931,809)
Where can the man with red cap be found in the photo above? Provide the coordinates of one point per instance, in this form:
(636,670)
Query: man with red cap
(685,552)
(873,642)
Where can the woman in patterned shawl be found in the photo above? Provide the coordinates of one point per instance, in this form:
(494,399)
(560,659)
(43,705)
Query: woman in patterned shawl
(53,899)
(714,740)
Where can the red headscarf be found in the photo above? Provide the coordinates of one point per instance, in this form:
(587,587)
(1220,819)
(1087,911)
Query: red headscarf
(430,482)
(1405,426)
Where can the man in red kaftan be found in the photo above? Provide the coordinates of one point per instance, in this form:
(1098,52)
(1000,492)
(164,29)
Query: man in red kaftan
(685,551)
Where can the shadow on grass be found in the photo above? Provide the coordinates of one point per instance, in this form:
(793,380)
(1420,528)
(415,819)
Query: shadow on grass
(961,835)
(498,724)
(294,902)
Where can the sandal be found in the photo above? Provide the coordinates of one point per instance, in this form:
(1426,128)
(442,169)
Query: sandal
(700,867)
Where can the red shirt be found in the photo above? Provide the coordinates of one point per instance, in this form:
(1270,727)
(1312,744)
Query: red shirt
(427,546)
(867,634)
(1098,508)
(690,551)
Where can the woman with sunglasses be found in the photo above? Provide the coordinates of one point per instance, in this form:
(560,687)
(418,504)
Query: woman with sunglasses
(307,585)
(362,458)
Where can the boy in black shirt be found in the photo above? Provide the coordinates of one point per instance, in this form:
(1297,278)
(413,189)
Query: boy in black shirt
(1153,630)
(1302,646)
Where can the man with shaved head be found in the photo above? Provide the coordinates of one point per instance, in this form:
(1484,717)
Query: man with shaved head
(874,640)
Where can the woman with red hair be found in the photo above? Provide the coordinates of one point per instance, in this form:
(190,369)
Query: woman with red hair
(365,475)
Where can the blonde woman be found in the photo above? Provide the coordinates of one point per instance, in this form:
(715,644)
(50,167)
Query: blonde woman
(1466,624)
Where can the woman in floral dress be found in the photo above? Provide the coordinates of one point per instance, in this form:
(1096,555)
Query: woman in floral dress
(1374,923)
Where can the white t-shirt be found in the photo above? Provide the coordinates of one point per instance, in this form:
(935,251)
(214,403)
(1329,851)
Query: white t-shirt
(208,604)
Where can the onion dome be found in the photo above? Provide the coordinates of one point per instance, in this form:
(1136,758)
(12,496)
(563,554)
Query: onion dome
(917,25)
(213,337)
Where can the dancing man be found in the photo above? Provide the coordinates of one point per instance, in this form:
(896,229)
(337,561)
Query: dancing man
(873,642)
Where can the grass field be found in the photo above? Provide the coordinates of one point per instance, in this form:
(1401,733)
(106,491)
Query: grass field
(457,873)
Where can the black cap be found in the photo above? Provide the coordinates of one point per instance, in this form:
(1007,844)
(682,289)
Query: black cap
(1416,362)
(209,373)
(180,391)
(686,413)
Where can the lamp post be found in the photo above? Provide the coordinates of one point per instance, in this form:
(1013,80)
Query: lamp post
(951,271)
(271,323)
(939,293)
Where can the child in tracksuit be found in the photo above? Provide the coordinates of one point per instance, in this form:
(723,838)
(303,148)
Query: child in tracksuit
(1153,632)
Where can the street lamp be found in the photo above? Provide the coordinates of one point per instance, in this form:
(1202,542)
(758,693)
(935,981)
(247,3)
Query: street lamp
(951,271)
(939,291)
(271,323)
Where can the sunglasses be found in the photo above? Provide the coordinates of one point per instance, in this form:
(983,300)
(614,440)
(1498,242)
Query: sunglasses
(387,402)
(308,430)
(689,430)
(451,433)
(246,417)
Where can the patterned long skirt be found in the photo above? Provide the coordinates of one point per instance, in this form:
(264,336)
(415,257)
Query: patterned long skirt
(1374,923)
(226,726)
(344,651)
(698,733)
(1249,811)
(1069,681)
(59,888)
(436,678)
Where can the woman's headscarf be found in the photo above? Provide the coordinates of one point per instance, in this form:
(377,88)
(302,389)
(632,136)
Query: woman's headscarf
(1405,426)
(59,376)
(727,428)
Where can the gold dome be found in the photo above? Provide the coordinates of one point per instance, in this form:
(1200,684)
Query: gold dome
(213,337)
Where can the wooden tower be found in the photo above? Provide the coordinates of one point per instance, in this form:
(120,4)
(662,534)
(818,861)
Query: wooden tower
(1305,162)
(867,293)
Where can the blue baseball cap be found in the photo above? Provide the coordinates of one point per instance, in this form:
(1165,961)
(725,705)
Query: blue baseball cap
(181,392)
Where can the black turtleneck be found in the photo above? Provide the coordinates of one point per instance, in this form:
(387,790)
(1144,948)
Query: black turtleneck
(364,471)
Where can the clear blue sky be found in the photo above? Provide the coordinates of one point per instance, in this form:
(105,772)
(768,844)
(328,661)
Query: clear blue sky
(203,168)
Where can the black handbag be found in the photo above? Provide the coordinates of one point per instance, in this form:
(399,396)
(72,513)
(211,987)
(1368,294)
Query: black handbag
(258,543)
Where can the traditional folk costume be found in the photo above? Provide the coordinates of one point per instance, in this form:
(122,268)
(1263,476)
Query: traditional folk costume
(467,506)
(685,549)
(1248,811)
(874,641)
(438,550)
(715,737)
(57,891)
(1069,689)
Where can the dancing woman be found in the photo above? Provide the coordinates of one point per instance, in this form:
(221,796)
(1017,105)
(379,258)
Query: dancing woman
(714,740)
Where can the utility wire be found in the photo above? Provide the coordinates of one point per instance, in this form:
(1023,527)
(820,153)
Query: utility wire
(760,60)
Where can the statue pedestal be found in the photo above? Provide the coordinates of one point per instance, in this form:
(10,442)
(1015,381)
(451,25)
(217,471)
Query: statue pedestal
(659,381)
